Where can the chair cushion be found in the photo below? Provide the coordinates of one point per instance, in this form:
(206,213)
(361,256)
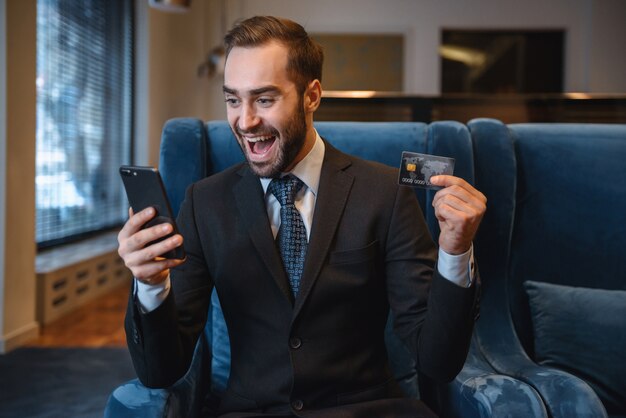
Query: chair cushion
(582,331)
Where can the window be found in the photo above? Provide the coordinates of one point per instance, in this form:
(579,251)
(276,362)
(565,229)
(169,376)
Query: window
(502,61)
(84,116)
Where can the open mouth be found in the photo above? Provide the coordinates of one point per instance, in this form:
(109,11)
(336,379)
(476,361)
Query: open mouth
(260,145)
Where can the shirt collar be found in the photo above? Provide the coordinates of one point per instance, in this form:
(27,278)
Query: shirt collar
(308,170)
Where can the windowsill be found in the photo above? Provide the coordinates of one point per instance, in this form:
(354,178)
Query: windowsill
(65,255)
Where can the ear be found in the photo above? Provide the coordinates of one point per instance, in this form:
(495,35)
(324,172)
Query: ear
(312,96)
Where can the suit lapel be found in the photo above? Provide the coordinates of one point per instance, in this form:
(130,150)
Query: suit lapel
(251,204)
(334,188)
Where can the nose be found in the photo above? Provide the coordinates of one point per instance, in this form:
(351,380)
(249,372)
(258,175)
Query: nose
(248,118)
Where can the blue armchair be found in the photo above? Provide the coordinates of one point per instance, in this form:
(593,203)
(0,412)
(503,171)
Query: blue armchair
(191,150)
(553,236)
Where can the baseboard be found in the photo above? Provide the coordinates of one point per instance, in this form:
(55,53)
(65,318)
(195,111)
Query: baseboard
(19,337)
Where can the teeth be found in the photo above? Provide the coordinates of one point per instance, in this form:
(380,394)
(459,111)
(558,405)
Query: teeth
(259,139)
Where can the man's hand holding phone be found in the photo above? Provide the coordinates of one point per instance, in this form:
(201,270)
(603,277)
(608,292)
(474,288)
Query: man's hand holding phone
(145,261)
(149,242)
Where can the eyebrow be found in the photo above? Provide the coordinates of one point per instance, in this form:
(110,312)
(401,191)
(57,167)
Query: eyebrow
(253,92)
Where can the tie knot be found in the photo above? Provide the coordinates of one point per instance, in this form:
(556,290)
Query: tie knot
(285,188)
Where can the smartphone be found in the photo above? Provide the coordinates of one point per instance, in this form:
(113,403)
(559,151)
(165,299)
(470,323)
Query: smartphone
(144,188)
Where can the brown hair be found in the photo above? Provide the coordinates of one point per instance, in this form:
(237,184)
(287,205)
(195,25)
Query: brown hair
(305,56)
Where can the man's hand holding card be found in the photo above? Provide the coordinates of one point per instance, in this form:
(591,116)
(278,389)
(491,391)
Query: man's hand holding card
(459,207)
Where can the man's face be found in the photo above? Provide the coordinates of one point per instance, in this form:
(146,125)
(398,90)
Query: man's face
(264,109)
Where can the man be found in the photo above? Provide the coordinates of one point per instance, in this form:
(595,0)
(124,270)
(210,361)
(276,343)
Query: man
(306,334)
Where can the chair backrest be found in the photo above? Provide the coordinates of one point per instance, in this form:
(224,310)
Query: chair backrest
(557,210)
(191,150)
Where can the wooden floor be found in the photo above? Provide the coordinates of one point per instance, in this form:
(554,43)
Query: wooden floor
(99,323)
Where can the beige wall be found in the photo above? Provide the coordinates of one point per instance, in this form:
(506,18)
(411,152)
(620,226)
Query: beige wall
(3,158)
(607,72)
(18,271)
(177,44)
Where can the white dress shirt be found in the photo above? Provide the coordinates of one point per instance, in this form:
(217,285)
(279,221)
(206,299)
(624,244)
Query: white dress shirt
(456,268)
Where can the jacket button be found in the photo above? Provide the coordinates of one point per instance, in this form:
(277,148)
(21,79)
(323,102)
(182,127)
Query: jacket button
(297,405)
(136,336)
(295,343)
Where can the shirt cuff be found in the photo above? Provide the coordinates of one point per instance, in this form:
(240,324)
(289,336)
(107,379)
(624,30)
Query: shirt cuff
(150,296)
(459,269)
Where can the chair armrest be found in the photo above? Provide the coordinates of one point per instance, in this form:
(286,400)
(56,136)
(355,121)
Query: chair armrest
(480,392)
(184,399)
(477,392)
(133,400)
(563,394)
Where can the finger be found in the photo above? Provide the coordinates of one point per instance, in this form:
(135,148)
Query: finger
(153,252)
(471,207)
(125,231)
(136,221)
(455,212)
(145,236)
(138,240)
(156,271)
(457,193)
(148,261)
(454,202)
(456,183)
(446,181)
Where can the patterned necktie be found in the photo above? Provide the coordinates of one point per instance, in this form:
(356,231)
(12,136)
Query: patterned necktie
(291,238)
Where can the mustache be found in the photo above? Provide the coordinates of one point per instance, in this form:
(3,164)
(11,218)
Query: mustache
(257,130)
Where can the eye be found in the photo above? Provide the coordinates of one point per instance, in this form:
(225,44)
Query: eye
(265,101)
(231,101)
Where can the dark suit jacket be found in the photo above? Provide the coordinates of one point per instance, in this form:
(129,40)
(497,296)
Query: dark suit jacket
(369,251)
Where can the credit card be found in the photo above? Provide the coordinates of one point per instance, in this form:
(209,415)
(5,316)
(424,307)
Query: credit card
(416,169)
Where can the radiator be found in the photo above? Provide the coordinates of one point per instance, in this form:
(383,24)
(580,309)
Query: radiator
(67,280)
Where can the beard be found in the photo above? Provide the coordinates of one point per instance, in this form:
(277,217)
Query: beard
(289,143)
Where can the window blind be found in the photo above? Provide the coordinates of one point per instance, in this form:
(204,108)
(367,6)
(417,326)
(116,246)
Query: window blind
(84,115)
